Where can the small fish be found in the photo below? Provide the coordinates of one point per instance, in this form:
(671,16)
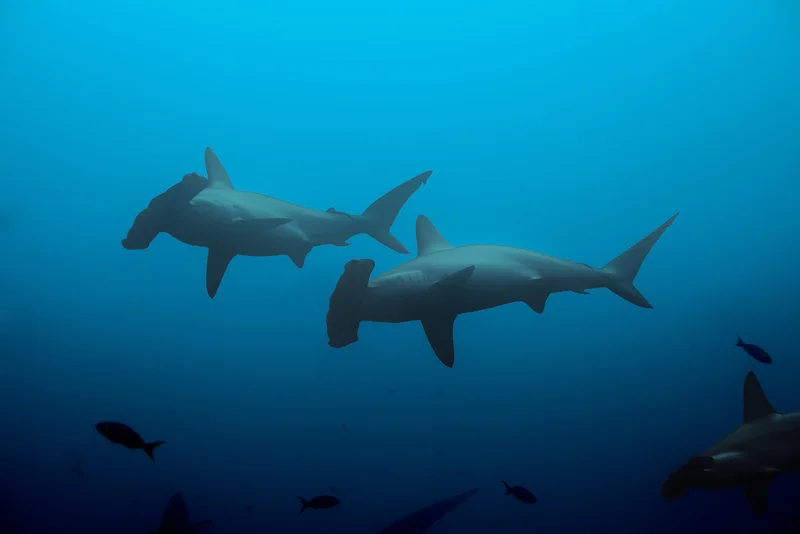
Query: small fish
(322,501)
(520,493)
(754,350)
(391,391)
(127,437)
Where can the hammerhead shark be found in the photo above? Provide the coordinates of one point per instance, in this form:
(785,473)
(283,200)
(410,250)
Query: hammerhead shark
(175,519)
(764,446)
(444,281)
(420,521)
(229,222)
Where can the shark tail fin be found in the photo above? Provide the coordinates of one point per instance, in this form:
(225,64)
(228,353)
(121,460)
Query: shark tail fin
(150,447)
(380,215)
(625,267)
(344,309)
(508,488)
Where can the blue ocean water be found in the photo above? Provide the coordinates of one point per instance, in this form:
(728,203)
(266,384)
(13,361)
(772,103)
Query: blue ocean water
(572,128)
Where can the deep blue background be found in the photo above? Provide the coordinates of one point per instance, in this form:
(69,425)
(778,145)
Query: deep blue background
(572,128)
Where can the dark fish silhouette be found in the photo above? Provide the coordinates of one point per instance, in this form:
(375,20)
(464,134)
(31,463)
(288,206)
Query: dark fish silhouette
(754,350)
(127,437)
(520,493)
(421,520)
(175,519)
(322,501)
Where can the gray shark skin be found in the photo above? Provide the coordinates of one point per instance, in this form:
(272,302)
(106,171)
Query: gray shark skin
(765,445)
(444,281)
(420,521)
(175,518)
(229,222)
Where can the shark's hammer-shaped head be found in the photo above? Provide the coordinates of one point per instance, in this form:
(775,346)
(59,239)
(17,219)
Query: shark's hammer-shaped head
(765,445)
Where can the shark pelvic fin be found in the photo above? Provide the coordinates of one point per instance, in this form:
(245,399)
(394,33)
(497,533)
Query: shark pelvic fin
(757,494)
(537,302)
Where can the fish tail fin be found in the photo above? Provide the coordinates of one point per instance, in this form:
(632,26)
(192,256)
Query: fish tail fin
(149,448)
(624,268)
(508,487)
(380,215)
(305,504)
(345,305)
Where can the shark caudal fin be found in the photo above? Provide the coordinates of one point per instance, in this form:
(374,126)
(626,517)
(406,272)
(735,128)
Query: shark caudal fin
(380,215)
(625,267)
(344,309)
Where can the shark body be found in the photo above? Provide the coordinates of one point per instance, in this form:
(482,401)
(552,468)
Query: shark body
(229,222)
(764,446)
(444,281)
(175,518)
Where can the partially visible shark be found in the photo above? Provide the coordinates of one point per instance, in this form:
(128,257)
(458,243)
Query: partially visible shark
(175,519)
(420,521)
(765,445)
(229,222)
(444,281)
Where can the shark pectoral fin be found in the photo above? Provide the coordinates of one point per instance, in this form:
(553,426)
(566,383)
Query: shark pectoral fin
(757,493)
(756,404)
(253,228)
(453,281)
(439,331)
(537,302)
(216,265)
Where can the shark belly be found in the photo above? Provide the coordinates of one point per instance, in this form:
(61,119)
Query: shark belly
(209,221)
(403,295)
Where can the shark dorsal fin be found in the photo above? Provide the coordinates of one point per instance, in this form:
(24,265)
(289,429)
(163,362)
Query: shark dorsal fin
(217,175)
(428,237)
(756,405)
